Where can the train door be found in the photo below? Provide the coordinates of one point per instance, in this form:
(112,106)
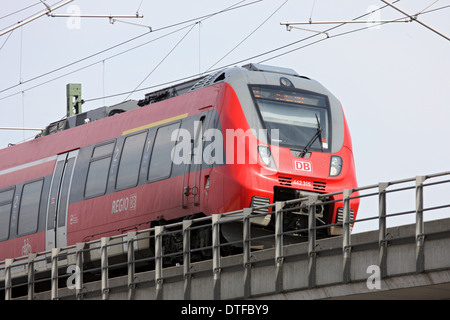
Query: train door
(56,229)
(192,169)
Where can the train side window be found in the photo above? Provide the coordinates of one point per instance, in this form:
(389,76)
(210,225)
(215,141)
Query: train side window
(130,161)
(161,159)
(6,198)
(97,176)
(29,207)
(104,150)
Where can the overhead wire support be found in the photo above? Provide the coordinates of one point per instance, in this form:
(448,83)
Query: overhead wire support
(231,64)
(112,21)
(287,24)
(24,22)
(120,44)
(409,18)
(110,16)
(414,18)
(290,27)
(21,129)
(46,5)
(258,55)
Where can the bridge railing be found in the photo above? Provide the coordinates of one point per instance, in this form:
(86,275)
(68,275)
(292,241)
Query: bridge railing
(126,254)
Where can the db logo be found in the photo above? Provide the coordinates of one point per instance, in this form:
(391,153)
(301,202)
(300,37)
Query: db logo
(302,166)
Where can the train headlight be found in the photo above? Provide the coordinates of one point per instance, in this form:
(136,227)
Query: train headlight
(266,156)
(335,166)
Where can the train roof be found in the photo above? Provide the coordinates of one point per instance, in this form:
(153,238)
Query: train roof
(156,96)
(237,78)
(88,116)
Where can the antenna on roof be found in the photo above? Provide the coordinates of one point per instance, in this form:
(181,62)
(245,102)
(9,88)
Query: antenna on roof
(74,101)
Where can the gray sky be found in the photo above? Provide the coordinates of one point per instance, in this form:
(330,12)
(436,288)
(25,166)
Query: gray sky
(393,80)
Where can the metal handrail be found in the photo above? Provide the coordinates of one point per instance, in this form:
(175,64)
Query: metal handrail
(105,248)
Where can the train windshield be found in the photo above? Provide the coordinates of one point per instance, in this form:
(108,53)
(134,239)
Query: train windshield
(300,117)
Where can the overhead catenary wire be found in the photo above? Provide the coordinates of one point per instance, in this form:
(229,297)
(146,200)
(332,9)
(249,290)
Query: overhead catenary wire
(139,7)
(49,13)
(238,5)
(95,63)
(128,92)
(165,57)
(410,18)
(429,6)
(20,10)
(23,113)
(219,68)
(7,38)
(248,36)
(414,18)
(21,56)
(266,53)
(227,65)
(312,9)
(435,9)
(43,13)
(326,32)
(46,5)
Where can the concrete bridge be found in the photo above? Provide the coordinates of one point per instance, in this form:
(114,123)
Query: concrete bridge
(400,262)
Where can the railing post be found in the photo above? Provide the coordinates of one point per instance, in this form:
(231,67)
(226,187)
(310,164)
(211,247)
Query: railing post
(216,255)
(159,262)
(420,232)
(79,264)
(187,258)
(104,267)
(54,277)
(312,240)
(382,242)
(30,282)
(346,244)
(246,243)
(8,279)
(131,236)
(279,259)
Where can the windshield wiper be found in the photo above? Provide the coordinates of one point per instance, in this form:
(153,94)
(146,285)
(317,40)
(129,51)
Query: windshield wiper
(318,134)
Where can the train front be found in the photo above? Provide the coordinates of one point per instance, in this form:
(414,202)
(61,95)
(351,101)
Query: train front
(301,140)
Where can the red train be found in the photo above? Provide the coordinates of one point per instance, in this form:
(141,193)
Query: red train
(244,136)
